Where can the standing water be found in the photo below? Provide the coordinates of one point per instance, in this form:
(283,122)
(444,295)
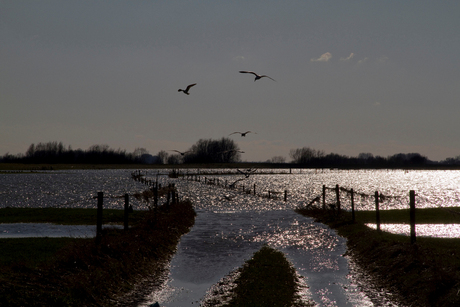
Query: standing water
(231,225)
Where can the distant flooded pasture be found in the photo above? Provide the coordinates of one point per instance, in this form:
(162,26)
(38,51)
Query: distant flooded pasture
(231,224)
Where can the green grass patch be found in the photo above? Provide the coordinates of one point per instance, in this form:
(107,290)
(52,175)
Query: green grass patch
(426,273)
(66,216)
(267,279)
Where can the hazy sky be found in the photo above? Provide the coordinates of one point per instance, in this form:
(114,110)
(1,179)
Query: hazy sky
(351,76)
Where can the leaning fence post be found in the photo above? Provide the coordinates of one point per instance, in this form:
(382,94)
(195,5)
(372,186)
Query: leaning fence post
(412,216)
(126,212)
(100,201)
(324,197)
(352,206)
(377,210)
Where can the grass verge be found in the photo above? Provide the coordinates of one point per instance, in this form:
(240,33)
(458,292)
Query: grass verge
(267,279)
(423,274)
(67,216)
(85,272)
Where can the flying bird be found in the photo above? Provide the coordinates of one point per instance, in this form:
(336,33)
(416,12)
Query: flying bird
(186,89)
(233,185)
(248,172)
(257,75)
(242,133)
(181,153)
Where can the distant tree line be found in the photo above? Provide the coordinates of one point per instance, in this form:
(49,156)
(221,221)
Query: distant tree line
(54,152)
(309,157)
(205,151)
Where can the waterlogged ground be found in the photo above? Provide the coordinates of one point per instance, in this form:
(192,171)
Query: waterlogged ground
(231,225)
(77,188)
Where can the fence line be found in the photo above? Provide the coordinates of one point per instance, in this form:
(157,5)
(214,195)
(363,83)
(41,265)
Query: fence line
(378,198)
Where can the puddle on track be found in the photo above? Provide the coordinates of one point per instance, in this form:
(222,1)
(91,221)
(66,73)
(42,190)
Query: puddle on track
(220,242)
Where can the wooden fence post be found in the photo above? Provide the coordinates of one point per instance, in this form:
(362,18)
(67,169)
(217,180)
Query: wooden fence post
(377,210)
(168,196)
(100,202)
(126,215)
(155,197)
(254,189)
(285,195)
(173,193)
(337,193)
(352,206)
(412,216)
(324,197)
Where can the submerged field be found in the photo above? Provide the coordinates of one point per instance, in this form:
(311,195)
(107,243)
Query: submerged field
(426,273)
(232,224)
(91,272)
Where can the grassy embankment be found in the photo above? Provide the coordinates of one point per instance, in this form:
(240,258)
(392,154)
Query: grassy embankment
(267,279)
(426,273)
(83,272)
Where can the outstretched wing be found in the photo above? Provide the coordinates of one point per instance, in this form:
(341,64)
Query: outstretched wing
(248,72)
(267,77)
(235,133)
(188,87)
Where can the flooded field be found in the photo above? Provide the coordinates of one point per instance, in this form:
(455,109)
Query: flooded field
(231,224)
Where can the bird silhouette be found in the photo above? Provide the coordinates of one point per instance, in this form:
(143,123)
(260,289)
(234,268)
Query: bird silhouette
(232,186)
(257,75)
(180,152)
(242,133)
(248,172)
(186,89)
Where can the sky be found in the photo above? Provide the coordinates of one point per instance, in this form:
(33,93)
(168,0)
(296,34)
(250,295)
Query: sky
(380,77)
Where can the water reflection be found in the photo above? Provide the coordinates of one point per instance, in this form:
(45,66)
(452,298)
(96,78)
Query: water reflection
(422,230)
(231,224)
(222,242)
(41,230)
(76,188)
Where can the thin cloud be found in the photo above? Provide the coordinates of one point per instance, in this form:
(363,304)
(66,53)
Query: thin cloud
(323,58)
(382,59)
(363,61)
(349,57)
(239,58)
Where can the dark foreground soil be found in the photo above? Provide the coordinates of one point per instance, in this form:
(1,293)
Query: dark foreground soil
(110,271)
(426,273)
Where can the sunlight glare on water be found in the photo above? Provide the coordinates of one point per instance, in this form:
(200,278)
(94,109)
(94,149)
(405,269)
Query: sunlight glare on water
(231,224)
(422,230)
